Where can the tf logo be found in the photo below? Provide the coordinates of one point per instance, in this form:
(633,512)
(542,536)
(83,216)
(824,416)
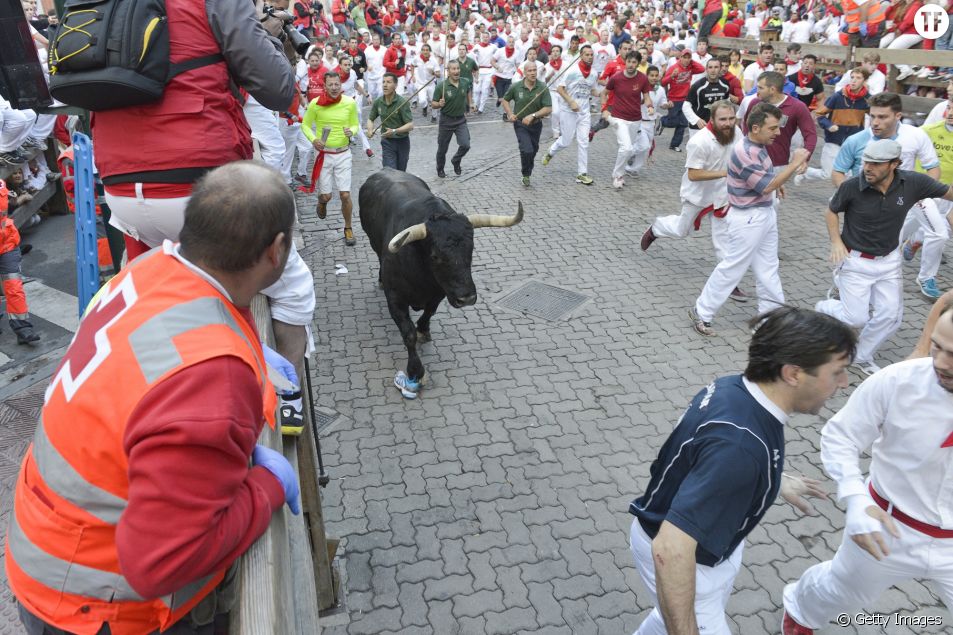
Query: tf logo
(931,21)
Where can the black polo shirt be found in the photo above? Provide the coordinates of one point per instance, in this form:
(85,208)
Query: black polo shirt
(872,220)
(719,471)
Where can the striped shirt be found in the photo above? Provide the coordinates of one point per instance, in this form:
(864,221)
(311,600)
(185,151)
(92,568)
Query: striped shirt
(750,171)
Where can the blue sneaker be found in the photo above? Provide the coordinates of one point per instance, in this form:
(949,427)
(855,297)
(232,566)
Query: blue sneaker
(929,289)
(407,386)
(910,248)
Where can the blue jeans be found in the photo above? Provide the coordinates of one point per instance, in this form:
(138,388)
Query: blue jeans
(676,119)
(395,153)
(945,43)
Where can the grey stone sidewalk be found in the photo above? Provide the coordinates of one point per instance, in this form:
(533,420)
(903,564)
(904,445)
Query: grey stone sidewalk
(497,501)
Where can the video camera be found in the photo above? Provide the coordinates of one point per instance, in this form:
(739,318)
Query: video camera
(299,42)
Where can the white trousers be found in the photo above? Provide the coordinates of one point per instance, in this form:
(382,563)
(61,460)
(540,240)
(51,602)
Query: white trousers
(375,86)
(866,284)
(481,92)
(903,41)
(158,219)
(554,115)
(680,226)
(749,240)
(15,127)
(712,587)
(927,215)
(425,95)
(574,125)
(854,580)
(634,145)
(294,140)
(828,154)
(265,130)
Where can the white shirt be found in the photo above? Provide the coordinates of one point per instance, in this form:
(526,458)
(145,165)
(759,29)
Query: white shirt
(703,152)
(579,88)
(375,62)
(522,47)
(349,87)
(753,72)
(659,97)
(752,27)
(425,71)
(937,114)
(903,416)
(484,57)
(876,83)
(601,54)
(504,66)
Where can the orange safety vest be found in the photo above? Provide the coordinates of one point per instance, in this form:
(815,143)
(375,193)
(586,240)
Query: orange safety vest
(157,318)
(9,236)
(876,13)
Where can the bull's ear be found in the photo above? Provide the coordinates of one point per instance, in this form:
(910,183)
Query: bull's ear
(409,235)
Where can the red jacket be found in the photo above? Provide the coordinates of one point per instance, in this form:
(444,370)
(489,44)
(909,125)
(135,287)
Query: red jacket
(197,123)
(678,79)
(734,86)
(394,61)
(338,13)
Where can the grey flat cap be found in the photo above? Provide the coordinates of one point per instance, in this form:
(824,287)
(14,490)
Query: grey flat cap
(882,151)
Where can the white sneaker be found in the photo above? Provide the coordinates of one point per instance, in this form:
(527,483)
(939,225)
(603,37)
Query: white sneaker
(618,182)
(905,73)
(798,179)
(925,72)
(865,368)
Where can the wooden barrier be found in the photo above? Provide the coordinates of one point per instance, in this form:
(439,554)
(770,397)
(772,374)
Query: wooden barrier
(833,58)
(908,57)
(285,577)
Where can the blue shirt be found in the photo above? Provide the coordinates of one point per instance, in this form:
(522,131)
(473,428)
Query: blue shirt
(720,469)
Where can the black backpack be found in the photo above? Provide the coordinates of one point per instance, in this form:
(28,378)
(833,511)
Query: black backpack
(109,54)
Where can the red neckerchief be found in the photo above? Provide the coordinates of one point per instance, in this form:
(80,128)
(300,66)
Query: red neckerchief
(509,51)
(803,80)
(484,44)
(324,100)
(377,47)
(425,57)
(860,94)
(711,127)
(556,63)
(584,68)
(760,65)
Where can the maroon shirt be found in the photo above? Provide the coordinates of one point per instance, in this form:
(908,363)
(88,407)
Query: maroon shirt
(795,116)
(627,95)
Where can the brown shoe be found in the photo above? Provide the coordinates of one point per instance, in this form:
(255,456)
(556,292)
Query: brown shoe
(648,238)
(349,237)
(322,209)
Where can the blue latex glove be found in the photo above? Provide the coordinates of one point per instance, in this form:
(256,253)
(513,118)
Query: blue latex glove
(863,29)
(281,364)
(278,465)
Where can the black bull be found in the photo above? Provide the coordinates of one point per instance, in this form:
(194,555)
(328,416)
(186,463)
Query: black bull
(425,249)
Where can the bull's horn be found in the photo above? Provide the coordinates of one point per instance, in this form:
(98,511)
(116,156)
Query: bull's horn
(409,235)
(494,220)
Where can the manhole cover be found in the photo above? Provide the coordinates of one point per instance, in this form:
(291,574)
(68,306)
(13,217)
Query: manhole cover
(325,417)
(543,300)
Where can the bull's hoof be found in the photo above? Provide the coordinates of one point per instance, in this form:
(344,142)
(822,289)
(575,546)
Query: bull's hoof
(408,387)
(423,336)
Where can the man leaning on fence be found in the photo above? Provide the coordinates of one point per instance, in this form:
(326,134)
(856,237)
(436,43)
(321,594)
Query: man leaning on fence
(136,497)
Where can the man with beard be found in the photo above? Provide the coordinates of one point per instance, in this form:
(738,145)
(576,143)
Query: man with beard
(337,114)
(704,185)
(628,89)
(901,515)
(722,467)
(866,254)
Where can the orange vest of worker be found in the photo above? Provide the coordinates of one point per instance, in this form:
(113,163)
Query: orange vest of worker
(9,236)
(156,318)
(876,13)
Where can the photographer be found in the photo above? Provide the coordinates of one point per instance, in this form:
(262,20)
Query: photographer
(151,155)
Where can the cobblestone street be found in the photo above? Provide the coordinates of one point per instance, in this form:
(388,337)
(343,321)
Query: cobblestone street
(497,501)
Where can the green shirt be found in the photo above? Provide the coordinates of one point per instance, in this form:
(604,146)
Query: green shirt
(943,144)
(393,116)
(526,101)
(337,117)
(357,15)
(456,96)
(467,68)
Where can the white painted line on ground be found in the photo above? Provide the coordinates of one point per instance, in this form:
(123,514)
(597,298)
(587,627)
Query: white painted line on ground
(52,305)
(4,359)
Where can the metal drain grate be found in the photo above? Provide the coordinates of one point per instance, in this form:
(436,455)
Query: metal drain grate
(543,300)
(325,417)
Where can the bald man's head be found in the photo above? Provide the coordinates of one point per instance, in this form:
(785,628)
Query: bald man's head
(234,215)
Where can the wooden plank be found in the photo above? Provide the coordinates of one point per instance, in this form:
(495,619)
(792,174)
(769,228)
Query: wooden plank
(25,212)
(910,57)
(301,568)
(915,104)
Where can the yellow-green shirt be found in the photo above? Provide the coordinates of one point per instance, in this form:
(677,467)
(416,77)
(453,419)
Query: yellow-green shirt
(943,143)
(335,116)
